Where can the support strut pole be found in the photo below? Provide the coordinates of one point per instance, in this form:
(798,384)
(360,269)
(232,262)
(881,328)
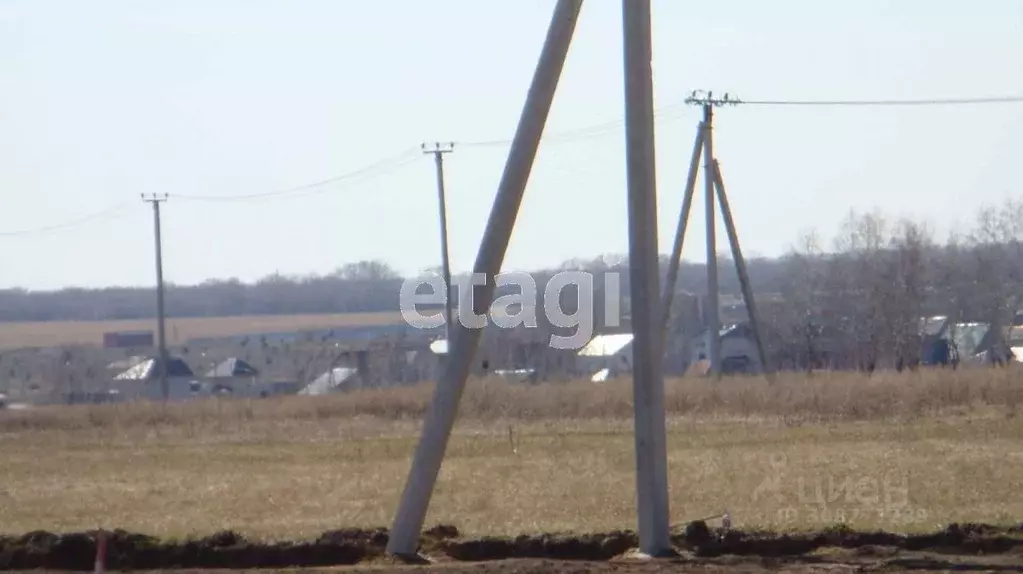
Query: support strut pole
(680,232)
(415,500)
(740,268)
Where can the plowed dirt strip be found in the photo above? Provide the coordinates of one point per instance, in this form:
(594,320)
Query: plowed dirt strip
(958,547)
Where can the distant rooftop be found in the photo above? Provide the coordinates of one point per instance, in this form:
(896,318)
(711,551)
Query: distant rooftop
(606,345)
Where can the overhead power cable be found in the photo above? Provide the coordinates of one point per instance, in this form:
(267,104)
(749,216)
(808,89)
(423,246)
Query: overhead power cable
(674,110)
(701,97)
(375,169)
(411,155)
(106,213)
(586,132)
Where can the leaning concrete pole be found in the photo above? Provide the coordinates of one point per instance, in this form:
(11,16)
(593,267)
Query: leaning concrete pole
(740,270)
(680,232)
(644,279)
(408,522)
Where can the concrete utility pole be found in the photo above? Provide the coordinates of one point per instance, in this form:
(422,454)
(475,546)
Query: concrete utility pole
(740,269)
(713,306)
(438,152)
(648,387)
(680,230)
(714,182)
(426,462)
(644,279)
(161,333)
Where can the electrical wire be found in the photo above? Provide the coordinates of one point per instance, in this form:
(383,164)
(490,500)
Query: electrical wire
(378,168)
(587,132)
(671,111)
(333,186)
(106,213)
(597,130)
(922,102)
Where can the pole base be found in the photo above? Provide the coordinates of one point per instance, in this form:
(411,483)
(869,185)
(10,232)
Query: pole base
(637,555)
(414,559)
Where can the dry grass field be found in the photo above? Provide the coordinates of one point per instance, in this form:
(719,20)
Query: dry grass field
(910,452)
(58,333)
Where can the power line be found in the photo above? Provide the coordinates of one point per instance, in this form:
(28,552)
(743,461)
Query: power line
(67,224)
(701,97)
(346,181)
(411,155)
(378,168)
(947,101)
(587,132)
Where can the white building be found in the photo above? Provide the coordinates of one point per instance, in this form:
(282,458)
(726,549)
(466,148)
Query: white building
(141,381)
(607,356)
(334,380)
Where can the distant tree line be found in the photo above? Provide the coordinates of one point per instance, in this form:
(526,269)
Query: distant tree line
(365,286)
(859,303)
(358,287)
(351,289)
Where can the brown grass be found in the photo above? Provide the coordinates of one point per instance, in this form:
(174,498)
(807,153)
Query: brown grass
(907,452)
(58,333)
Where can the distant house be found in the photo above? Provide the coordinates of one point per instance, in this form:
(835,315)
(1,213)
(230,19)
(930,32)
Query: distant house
(946,342)
(124,364)
(334,380)
(606,356)
(971,339)
(232,368)
(142,381)
(738,350)
(936,348)
(146,369)
(520,354)
(1015,336)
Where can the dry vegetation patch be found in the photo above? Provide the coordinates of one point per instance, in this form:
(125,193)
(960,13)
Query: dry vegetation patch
(910,453)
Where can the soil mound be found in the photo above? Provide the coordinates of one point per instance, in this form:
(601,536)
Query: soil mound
(230,550)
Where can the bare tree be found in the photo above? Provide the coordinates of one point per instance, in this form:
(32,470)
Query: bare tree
(903,308)
(800,323)
(998,256)
(860,277)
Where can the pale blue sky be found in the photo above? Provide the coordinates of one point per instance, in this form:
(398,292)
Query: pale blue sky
(103,100)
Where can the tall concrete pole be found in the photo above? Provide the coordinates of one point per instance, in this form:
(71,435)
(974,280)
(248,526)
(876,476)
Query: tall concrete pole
(740,269)
(644,277)
(161,332)
(680,232)
(415,499)
(712,306)
(438,152)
